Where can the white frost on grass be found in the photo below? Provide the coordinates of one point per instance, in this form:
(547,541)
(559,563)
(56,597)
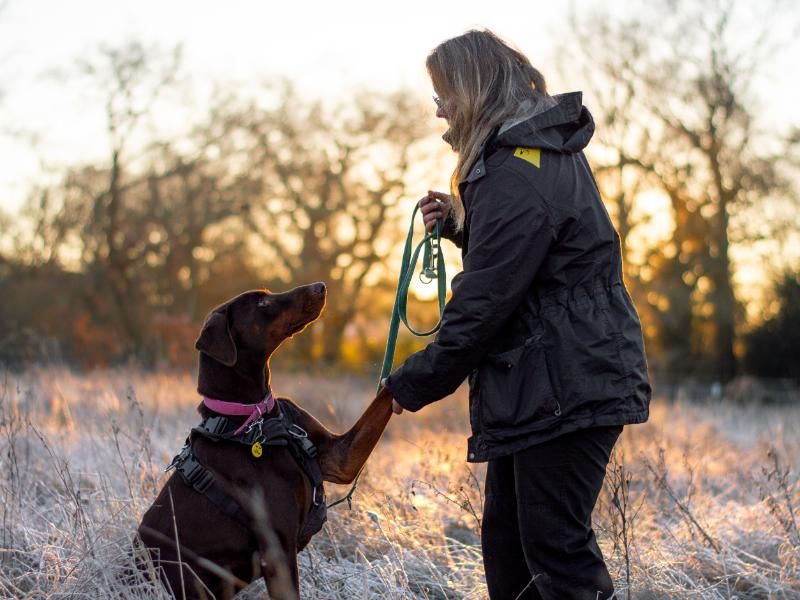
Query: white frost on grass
(712,495)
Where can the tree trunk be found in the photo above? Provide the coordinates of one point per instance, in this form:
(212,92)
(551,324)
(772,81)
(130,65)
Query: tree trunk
(725,309)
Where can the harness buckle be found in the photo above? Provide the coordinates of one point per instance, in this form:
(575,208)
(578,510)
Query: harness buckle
(204,481)
(301,435)
(178,459)
(197,475)
(216,425)
(308,447)
(296,431)
(314,500)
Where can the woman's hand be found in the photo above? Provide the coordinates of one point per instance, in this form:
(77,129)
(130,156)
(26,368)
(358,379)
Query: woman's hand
(396,408)
(434,206)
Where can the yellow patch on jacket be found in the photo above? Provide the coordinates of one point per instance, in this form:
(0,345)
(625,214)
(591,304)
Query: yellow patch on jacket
(532,155)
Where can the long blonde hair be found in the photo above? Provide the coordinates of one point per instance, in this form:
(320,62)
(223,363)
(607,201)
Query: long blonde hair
(483,82)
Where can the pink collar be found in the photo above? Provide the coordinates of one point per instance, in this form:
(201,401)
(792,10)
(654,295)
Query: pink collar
(235,409)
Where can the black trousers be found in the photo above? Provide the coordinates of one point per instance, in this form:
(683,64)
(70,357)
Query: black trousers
(537,533)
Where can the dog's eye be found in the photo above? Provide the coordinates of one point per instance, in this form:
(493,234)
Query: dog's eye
(267,307)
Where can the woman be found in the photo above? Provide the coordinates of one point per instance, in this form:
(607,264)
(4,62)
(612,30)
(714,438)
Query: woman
(539,319)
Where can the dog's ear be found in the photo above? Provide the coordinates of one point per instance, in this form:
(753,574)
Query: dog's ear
(216,340)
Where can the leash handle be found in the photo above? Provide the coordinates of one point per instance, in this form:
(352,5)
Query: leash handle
(432,254)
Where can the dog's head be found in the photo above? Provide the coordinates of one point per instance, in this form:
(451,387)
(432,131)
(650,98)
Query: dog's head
(253,324)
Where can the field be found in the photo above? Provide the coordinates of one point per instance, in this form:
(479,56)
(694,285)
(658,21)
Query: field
(701,502)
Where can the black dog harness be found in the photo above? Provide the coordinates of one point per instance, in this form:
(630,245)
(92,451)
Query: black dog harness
(280,430)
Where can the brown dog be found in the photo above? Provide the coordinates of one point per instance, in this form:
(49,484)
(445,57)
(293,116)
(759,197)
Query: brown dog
(250,506)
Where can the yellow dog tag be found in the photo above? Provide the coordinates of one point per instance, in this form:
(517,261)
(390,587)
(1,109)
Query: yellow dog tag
(256,449)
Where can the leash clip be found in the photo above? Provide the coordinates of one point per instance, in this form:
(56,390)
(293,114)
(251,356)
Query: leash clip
(178,458)
(257,423)
(429,271)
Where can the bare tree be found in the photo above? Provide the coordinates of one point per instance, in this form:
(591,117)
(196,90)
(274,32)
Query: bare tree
(296,191)
(130,78)
(333,176)
(678,87)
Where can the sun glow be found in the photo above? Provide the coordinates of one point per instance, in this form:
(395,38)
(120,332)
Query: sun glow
(654,224)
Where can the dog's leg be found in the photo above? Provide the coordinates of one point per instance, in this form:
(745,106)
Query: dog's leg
(342,456)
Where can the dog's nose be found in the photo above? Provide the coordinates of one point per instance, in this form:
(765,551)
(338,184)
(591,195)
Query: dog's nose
(319,287)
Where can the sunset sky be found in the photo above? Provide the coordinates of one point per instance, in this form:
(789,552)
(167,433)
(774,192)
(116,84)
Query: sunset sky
(326,47)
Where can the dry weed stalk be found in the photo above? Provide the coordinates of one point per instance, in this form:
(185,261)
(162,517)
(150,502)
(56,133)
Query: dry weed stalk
(73,491)
(272,559)
(461,497)
(177,542)
(621,511)
(10,426)
(660,474)
(782,507)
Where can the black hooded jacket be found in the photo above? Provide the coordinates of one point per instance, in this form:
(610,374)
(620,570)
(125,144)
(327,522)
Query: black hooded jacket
(539,319)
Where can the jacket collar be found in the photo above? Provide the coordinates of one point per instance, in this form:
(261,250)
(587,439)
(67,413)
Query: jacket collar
(568,108)
(478,169)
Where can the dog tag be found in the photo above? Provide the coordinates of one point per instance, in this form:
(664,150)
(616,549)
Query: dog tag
(256,449)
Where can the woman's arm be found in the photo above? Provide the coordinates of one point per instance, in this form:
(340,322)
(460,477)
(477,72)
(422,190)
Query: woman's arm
(510,235)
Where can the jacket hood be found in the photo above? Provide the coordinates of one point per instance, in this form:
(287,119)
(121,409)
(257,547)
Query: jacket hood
(565,127)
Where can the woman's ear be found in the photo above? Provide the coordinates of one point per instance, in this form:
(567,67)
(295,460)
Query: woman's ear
(216,340)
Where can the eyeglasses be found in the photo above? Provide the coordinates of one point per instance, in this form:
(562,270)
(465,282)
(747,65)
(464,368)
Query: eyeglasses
(438,101)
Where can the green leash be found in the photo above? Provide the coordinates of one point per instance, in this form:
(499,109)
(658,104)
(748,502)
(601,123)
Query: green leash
(432,268)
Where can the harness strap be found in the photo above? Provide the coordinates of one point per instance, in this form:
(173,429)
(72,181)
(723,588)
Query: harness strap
(303,449)
(275,431)
(268,432)
(305,453)
(202,480)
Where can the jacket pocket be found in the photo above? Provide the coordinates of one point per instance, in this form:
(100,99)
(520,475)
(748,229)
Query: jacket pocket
(516,390)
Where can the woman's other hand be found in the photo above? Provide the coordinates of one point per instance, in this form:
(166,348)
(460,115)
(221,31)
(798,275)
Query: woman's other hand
(434,206)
